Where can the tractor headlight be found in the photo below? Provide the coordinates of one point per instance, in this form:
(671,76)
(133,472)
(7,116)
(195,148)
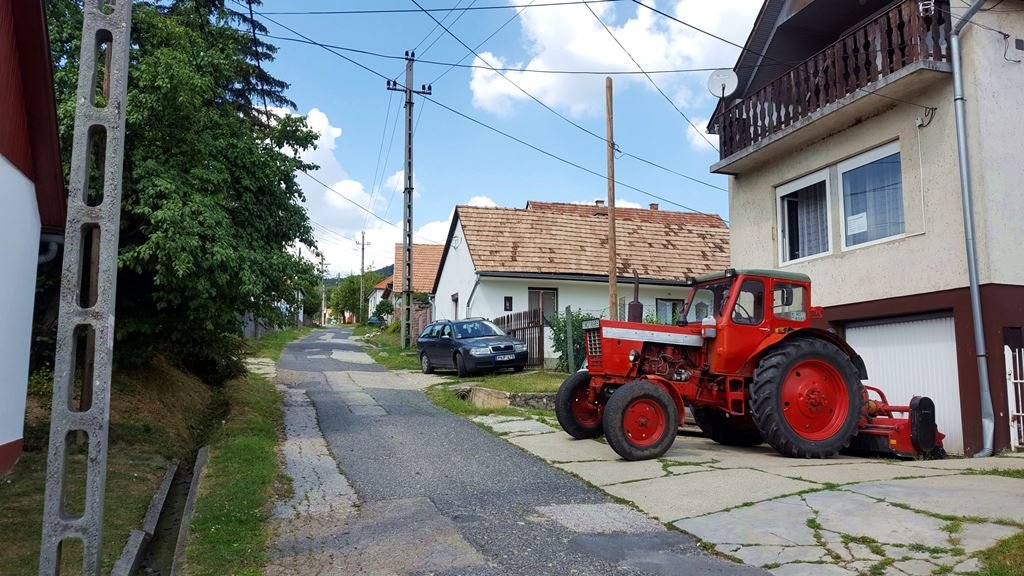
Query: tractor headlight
(520,348)
(634,355)
(479,351)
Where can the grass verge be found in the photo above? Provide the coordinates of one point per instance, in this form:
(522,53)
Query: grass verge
(1005,559)
(532,381)
(228,536)
(385,350)
(443,397)
(271,345)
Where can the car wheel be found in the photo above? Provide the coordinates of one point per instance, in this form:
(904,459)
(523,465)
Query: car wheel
(425,365)
(460,365)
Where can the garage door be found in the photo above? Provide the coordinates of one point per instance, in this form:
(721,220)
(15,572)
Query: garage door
(907,358)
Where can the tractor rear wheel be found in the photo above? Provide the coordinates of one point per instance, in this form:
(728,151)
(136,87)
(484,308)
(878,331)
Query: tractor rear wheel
(578,417)
(806,398)
(726,429)
(640,420)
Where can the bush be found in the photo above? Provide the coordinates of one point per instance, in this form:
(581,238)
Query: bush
(384,308)
(560,325)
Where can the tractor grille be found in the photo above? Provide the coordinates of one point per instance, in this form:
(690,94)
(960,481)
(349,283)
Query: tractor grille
(593,342)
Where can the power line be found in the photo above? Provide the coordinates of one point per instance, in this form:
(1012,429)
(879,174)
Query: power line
(380,152)
(509,69)
(412,10)
(498,131)
(439,36)
(651,80)
(745,49)
(482,42)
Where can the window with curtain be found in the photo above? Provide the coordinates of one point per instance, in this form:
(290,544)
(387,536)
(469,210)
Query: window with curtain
(803,217)
(872,196)
(544,298)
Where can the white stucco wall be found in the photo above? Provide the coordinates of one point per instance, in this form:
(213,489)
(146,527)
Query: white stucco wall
(19,255)
(994,92)
(457,277)
(930,254)
(373,300)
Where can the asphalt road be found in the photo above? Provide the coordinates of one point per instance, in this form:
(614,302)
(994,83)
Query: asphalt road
(440,495)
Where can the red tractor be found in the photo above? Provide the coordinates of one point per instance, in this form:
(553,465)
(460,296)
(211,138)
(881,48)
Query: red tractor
(744,358)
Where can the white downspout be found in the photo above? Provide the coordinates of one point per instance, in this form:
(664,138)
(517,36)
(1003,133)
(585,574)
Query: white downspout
(987,415)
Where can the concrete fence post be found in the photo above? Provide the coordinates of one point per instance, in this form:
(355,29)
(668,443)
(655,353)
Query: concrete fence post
(569,328)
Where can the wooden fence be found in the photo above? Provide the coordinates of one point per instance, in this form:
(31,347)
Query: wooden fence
(891,41)
(527,326)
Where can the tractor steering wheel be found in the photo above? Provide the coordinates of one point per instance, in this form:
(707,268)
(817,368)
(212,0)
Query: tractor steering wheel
(747,317)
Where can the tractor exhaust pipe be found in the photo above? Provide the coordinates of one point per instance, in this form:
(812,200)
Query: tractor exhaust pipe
(635,311)
(985,392)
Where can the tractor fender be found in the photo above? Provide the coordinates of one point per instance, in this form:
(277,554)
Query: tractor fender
(817,333)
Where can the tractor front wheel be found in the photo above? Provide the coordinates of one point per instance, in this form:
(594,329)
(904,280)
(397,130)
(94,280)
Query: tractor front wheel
(806,398)
(727,430)
(578,417)
(640,420)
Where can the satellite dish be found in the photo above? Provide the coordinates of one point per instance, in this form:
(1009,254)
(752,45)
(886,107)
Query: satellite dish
(723,83)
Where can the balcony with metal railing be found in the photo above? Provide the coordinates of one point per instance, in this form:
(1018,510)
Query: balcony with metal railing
(875,65)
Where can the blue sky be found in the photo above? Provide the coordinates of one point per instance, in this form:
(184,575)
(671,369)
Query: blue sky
(458,162)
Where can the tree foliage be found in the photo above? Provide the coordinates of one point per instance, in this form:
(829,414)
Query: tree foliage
(561,325)
(345,297)
(384,308)
(211,211)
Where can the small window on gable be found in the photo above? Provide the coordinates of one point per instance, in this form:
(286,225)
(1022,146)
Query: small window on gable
(803,217)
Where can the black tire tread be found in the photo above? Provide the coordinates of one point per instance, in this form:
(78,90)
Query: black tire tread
(765,409)
(734,431)
(429,368)
(460,366)
(563,408)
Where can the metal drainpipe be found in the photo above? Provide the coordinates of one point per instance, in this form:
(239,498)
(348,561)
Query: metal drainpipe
(987,415)
(52,241)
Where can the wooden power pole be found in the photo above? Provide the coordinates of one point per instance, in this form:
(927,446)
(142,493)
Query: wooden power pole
(613,275)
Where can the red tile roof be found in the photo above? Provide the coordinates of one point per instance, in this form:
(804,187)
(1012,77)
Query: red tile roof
(425,260)
(384,283)
(554,238)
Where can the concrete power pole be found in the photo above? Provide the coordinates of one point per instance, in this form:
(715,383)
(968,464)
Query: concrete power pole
(613,275)
(362,275)
(406,313)
(95,314)
(323,291)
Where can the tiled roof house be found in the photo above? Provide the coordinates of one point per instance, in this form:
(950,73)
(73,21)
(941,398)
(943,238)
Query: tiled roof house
(548,255)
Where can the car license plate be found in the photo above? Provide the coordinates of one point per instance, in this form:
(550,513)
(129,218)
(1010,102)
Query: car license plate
(505,357)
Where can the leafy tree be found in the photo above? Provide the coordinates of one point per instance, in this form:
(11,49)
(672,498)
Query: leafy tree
(211,211)
(345,297)
(384,308)
(561,325)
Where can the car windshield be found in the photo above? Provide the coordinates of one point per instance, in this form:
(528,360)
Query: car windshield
(476,329)
(708,299)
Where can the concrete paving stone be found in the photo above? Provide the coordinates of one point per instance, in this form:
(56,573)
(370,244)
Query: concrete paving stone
(840,551)
(982,496)
(861,566)
(560,447)
(811,570)
(857,515)
(781,522)
(351,357)
(493,419)
(601,518)
(969,464)
(968,566)
(915,567)
(976,537)
(853,473)
(686,469)
(862,552)
(362,410)
(614,472)
(763,555)
(522,427)
(675,497)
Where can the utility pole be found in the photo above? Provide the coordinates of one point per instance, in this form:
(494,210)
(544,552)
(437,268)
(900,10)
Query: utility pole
(406,314)
(613,274)
(323,291)
(362,275)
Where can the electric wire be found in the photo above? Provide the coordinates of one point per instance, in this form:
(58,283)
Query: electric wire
(413,10)
(380,152)
(651,80)
(481,43)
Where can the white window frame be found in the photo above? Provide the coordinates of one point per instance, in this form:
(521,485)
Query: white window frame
(854,163)
(790,187)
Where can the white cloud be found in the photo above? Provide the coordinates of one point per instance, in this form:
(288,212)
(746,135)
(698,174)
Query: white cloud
(569,37)
(482,201)
(619,202)
(699,141)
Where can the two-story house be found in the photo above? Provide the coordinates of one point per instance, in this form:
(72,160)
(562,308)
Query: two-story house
(841,150)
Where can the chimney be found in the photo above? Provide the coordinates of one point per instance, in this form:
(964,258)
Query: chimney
(599,203)
(654,206)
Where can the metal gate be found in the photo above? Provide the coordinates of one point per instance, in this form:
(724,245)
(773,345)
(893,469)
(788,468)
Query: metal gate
(1015,394)
(528,326)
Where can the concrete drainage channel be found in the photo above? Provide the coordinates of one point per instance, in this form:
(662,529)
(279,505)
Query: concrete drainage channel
(158,548)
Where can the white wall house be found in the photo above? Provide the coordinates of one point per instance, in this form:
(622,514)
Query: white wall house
(32,189)
(547,256)
(380,291)
(849,174)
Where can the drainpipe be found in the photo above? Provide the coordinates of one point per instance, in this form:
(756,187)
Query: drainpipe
(987,416)
(469,302)
(52,241)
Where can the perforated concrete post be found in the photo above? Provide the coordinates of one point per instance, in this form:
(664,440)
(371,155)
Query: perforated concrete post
(105,22)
